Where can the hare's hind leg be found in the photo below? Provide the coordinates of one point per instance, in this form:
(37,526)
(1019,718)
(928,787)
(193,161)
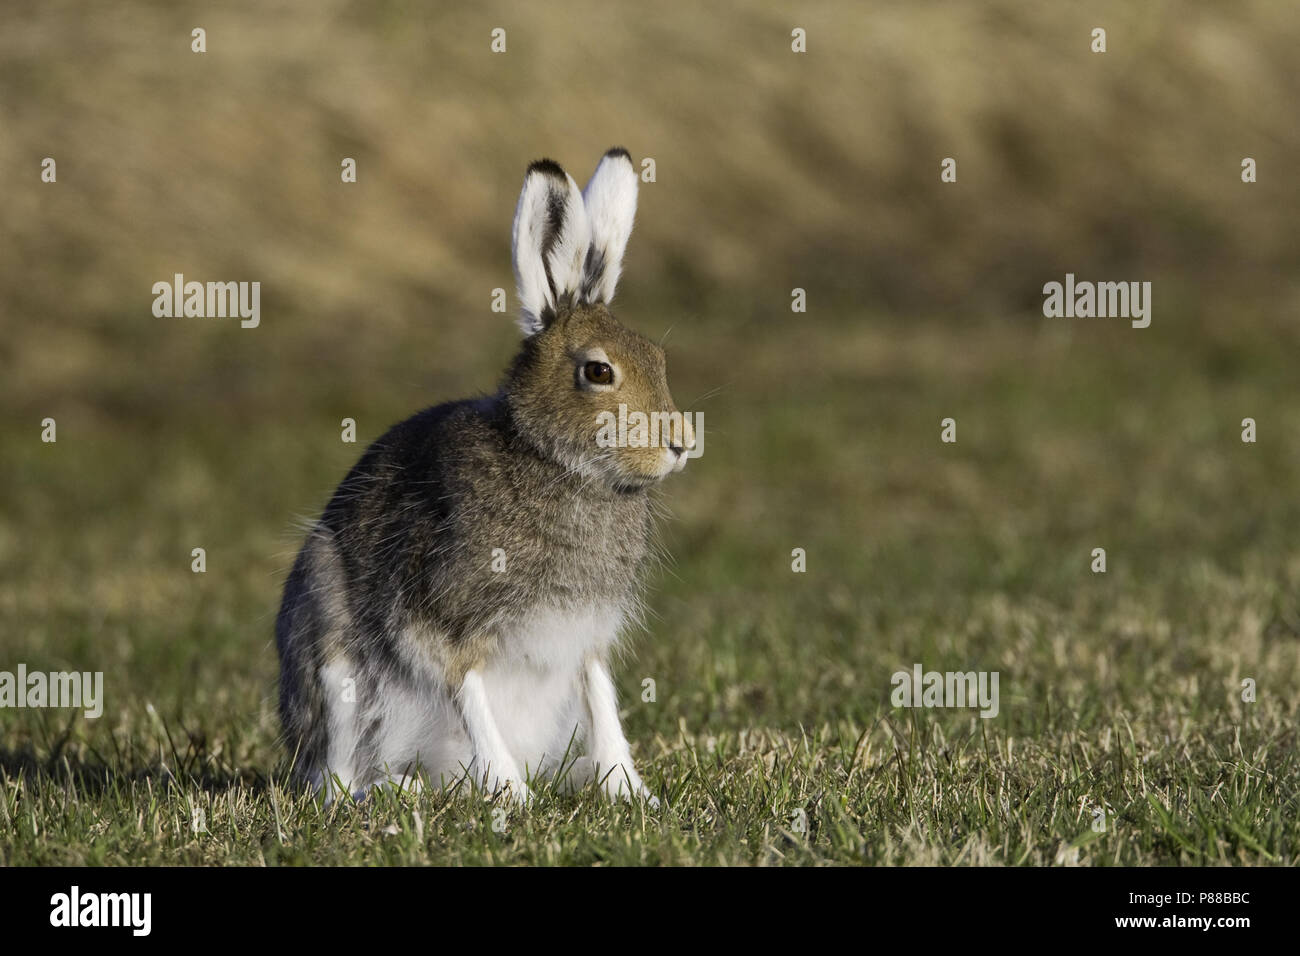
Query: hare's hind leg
(382,731)
(311,631)
(342,773)
(400,734)
(351,726)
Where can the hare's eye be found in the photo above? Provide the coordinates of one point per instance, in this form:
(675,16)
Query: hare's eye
(598,373)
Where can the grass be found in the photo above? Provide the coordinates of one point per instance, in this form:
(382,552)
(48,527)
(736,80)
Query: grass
(1119,691)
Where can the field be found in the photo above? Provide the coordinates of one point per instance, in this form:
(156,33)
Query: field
(772,738)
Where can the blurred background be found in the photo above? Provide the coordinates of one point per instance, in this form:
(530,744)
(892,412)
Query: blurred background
(773,171)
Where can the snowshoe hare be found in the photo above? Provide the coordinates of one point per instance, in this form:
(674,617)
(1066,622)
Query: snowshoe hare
(454,611)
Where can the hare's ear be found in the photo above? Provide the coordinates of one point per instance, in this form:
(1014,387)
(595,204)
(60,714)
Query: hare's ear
(551,238)
(610,199)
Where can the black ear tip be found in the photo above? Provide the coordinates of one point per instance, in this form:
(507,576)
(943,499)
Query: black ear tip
(618,151)
(546,167)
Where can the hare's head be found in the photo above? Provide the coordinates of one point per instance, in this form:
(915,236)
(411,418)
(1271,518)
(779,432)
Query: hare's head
(588,392)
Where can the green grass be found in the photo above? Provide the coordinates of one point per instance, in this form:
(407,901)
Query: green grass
(1119,691)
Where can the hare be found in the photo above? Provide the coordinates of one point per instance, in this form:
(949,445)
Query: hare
(454,611)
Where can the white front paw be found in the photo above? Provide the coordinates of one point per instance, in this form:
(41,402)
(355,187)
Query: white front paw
(517,792)
(623,783)
(509,785)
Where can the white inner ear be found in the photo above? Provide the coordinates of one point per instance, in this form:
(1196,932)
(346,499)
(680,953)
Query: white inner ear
(550,240)
(610,198)
(569,247)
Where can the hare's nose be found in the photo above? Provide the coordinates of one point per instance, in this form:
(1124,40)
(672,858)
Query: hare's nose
(677,450)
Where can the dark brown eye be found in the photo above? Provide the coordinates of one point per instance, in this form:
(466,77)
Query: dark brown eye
(598,373)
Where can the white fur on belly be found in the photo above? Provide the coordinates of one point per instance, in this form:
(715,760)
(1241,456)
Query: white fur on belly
(535,684)
(535,694)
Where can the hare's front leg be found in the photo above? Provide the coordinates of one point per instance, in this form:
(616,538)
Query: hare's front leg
(492,765)
(607,747)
